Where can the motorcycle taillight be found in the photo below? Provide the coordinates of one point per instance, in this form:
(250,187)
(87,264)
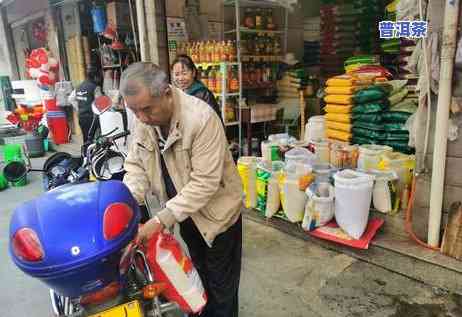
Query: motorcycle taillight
(117,217)
(101,296)
(26,245)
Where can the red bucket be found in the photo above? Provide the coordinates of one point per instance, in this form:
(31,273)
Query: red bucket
(50,105)
(59,129)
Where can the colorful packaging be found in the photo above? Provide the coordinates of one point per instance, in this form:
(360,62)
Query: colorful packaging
(346,127)
(347,90)
(339,99)
(347,81)
(370,94)
(339,135)
(330,108)
(171,266)
(338,117)
(246,166)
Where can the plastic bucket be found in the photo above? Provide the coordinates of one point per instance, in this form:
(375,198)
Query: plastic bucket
(319,209)
(34,146)
(323,172)
(98,15)
(50,105)
(353,196)
(321,150)
(59,129)
(12,152)
(3,182)
(343,156)
(370,156)
(16,173)
(315,129)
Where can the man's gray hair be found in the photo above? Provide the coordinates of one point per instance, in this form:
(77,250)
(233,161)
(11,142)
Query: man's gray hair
(148,74)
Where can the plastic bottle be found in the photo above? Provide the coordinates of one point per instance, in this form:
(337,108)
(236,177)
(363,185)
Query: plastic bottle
(233,80)
(223,55)
(205,78)
(212,80)
(232,51)
(218,80)
(269,20)
(258,19)
(209,52)
(249,19)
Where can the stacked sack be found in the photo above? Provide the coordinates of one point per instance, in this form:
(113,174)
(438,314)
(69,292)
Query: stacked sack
(367,115)
(338,38)
(380,115)
(395,118)
(371,14)
(311,37)
(340,91)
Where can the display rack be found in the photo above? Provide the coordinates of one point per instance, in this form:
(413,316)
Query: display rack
(238,30)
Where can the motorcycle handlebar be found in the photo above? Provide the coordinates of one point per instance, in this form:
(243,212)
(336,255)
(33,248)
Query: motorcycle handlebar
(120,135)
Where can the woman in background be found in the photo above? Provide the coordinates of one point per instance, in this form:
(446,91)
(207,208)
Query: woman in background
(185,77)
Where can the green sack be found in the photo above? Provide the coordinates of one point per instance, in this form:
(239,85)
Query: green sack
(394,127)
(398,97)
(407,105)
(368,125)
(400,146)
(372,107)
(362,59)
(369,94)
(376,117)
(396,116)
(393,86)
(363,140)
(366,133)
(397,136)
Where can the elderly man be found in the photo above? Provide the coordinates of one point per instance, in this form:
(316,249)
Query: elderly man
(179,152)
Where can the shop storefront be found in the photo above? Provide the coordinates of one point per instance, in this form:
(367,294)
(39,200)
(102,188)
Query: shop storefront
(308,90)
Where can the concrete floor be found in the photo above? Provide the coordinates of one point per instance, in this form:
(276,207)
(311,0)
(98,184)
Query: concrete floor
(282,276)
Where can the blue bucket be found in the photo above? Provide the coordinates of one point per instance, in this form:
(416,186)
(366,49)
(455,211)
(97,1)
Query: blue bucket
(98,15)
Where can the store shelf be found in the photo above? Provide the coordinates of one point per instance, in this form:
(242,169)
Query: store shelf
(234,94)
(261,58)
(207,65)
(247,30)
(253,3)
(111,66)
(231,123)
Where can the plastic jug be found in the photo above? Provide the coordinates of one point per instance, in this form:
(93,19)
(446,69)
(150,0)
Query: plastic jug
(315,129)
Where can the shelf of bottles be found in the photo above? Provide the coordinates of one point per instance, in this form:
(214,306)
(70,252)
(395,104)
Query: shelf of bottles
(261,45)
(218,70)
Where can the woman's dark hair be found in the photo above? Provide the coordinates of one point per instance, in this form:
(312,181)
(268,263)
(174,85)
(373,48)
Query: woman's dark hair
(187,62)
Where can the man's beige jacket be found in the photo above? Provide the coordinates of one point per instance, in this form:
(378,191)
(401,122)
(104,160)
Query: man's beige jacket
(199,163)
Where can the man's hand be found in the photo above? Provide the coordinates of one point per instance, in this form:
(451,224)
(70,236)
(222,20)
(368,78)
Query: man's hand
(149,229)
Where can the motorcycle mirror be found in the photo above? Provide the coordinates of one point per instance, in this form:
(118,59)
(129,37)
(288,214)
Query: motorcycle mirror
(101,105)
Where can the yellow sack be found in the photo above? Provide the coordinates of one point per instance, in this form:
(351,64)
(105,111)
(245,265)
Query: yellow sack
(246,166)
(338,135)
(339,126)
(339,99)
(347,90)
(338,117)
(348,81)
(338,108)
